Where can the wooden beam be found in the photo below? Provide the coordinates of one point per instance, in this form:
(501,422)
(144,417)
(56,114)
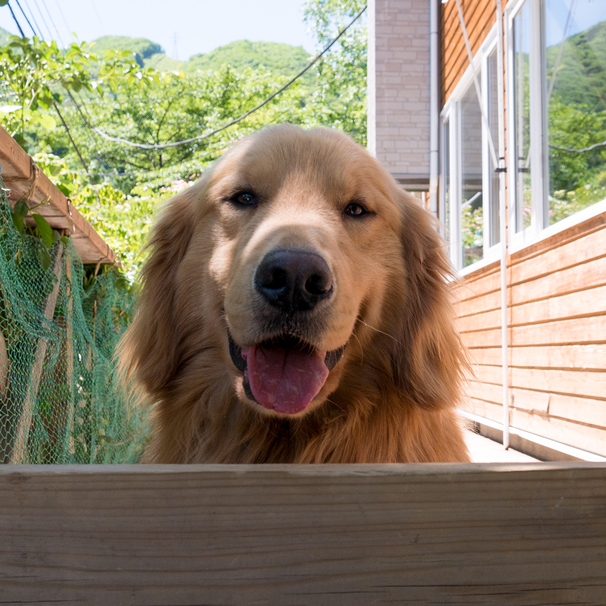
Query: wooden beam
(19,450)
(26,180)
(304,534)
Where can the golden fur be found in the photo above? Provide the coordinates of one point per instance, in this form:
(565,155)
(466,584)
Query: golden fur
(392,395)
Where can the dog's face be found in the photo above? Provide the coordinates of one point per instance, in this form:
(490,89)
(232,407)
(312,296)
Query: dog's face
(292,254)
(300,241)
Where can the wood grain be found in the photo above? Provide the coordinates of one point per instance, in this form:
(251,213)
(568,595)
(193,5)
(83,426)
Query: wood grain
(25,180)
(515,534)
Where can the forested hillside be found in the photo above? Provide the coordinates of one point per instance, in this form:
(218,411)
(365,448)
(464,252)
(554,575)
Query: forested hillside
(272,56)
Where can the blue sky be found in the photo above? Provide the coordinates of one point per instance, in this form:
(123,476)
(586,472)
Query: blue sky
(182,27)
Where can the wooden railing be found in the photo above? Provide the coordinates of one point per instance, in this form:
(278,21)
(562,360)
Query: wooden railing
(26,180)
(291,535)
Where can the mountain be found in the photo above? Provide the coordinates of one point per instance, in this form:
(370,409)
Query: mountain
(276,57)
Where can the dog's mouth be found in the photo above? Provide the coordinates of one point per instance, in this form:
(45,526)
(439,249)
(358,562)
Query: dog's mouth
(284,373)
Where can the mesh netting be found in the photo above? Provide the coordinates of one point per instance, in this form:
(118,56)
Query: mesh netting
(59,399)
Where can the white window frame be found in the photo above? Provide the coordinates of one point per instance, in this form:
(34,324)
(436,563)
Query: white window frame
(539,161)
(451,113)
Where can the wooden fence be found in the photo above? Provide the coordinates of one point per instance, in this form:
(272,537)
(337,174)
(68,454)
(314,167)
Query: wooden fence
(520,534)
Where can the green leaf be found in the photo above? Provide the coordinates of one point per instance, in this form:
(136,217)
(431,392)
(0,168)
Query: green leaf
(54,169)
(46,232)
(20,140)
(66,191)
(44,256)
(18,213)
(3,2)
(47,122)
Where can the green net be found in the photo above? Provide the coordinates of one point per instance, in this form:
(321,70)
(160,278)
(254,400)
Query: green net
(60,400)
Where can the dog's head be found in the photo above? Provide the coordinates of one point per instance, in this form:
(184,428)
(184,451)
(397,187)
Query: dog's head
(295,258)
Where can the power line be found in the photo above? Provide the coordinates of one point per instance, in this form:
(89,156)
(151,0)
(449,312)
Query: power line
(26,18)
(15,18)
(239,118)
(56,107)
(578,151)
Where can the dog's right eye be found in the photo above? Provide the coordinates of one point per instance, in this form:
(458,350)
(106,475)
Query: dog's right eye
(244,198)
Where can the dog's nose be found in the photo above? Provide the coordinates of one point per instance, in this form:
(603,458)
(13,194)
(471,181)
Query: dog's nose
(293,280)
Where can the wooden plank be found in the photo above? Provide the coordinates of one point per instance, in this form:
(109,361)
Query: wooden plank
(571,382)
(579,277)
(559,356)
(582,303)
(289,535)
(19,450)
(580,250)
(478,304)
(479,321)
(580,436)
(566,332)
(589,302)
(25,179)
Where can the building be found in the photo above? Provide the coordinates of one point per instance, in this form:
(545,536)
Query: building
(540,97)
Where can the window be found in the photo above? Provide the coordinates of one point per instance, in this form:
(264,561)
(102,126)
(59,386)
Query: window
(557,77)
(470,192)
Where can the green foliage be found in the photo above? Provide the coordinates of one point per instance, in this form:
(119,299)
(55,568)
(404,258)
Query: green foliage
(581,76)
(31,73)
(123,221)
(472,225)
(341,95)
(577,120)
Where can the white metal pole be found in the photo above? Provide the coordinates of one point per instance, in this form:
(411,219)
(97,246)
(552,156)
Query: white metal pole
(434,106)
(503,224)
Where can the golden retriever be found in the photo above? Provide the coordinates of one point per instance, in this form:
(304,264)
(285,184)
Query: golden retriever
(295,309)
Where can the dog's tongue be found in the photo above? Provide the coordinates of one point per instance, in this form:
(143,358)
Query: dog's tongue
(282,379)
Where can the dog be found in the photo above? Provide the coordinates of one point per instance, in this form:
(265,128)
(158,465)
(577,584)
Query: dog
(295,308)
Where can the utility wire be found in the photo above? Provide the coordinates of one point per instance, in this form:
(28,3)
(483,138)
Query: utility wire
(26,18)
(15,18)
(239,118)
(55,106)
(578,151)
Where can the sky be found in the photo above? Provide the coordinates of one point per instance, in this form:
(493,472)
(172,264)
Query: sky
(183,27)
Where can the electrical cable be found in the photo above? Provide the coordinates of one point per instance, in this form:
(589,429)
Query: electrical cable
(239,118)
(55,106)
(26,18)
(15,19)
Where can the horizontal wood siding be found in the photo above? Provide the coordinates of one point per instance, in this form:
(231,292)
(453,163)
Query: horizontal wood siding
(479,18)
(557,337)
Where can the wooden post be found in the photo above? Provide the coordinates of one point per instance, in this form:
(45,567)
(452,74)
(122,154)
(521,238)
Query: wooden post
(69,358)
(4,367)
(19,452)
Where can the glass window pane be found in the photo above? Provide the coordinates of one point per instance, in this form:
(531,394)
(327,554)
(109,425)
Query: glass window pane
(575,45)
(521,66)
(472,237)
(446,172)
(493,123)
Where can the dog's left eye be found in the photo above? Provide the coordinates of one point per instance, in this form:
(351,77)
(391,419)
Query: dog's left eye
(355,209)
(244,198)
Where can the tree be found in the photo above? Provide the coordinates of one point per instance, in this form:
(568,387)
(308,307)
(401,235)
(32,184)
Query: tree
(340,100)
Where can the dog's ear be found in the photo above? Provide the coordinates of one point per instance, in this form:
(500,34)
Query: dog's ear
(427,356)
(148,349)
